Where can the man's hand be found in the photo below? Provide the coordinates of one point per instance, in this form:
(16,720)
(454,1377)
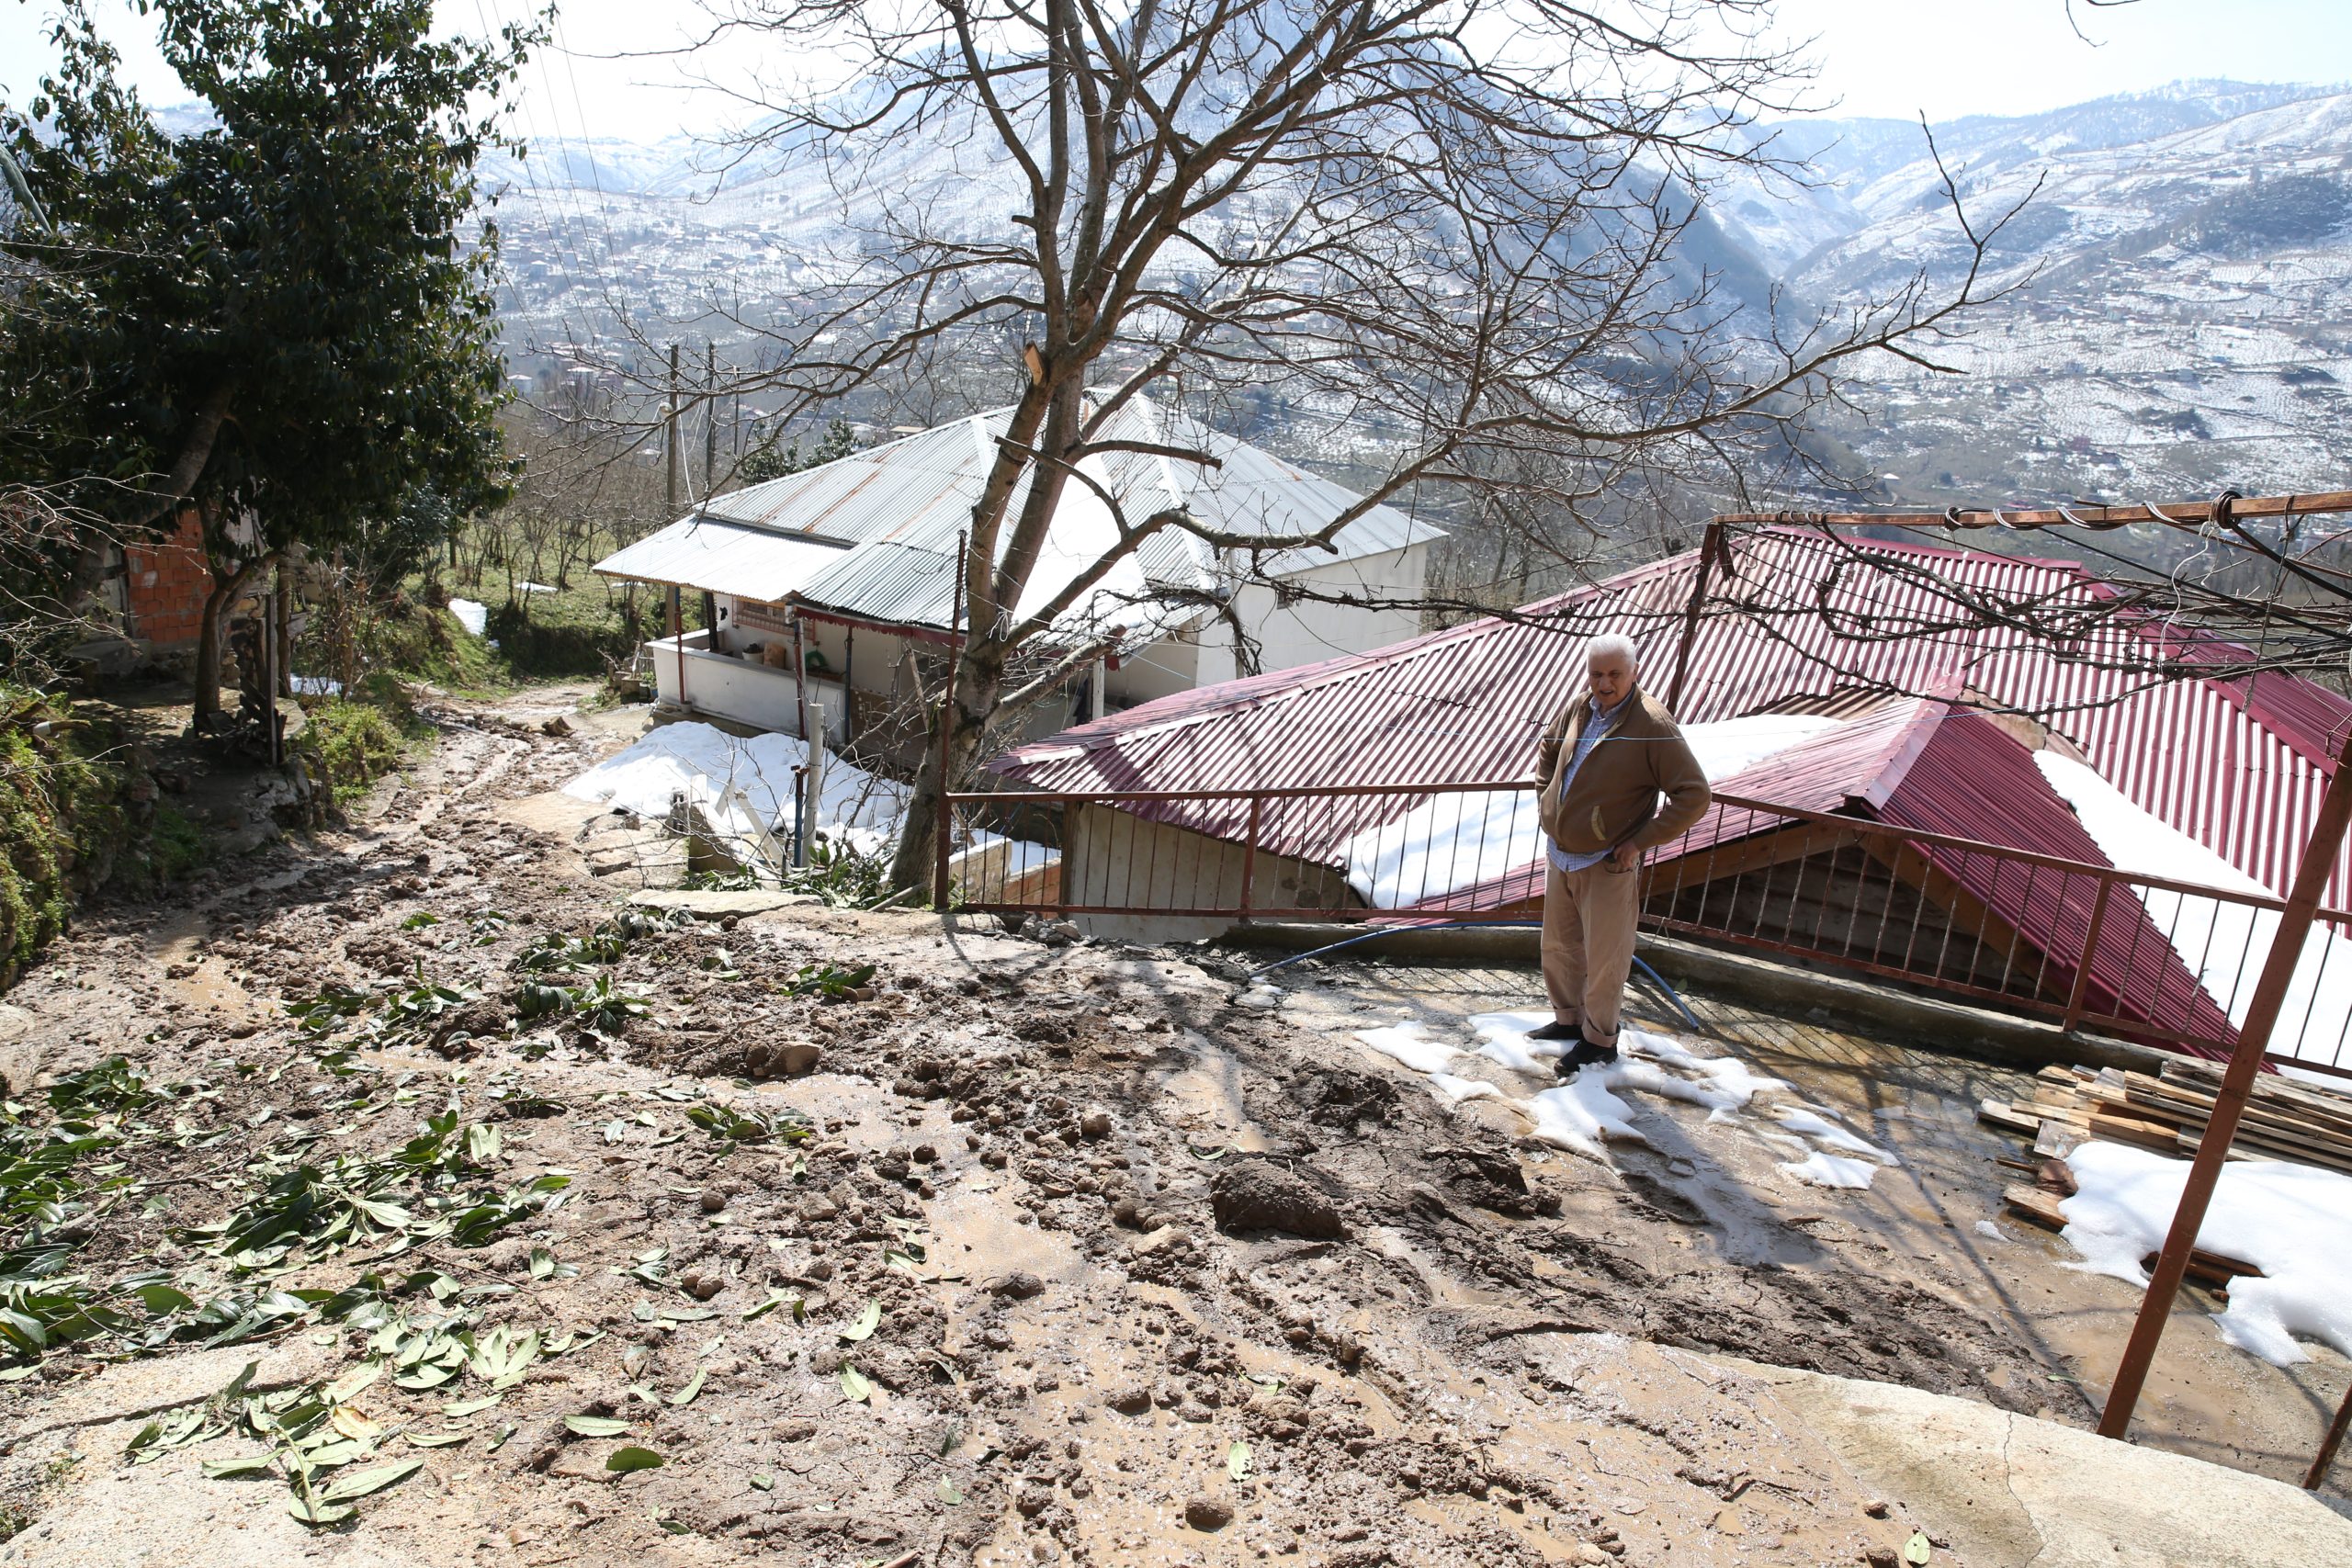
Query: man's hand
(1624,857)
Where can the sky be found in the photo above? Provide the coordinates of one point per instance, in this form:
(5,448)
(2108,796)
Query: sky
(1897,58)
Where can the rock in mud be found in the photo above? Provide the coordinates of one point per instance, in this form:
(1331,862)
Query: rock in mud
(1253,1195)
(1020,1285)
(1096,1123)
(788,1060)
(1208,1514)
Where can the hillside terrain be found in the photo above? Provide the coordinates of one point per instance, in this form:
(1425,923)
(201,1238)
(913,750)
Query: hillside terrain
(2173,319)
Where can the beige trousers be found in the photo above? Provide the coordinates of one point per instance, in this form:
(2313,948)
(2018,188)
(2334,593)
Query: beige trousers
(1588,947)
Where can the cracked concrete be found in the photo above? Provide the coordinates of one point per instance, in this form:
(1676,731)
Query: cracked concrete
(2008,1491)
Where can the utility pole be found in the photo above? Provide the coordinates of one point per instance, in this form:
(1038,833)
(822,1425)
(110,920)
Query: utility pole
(670,437)
(709,418)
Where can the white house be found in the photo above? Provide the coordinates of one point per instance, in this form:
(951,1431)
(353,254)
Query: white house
(853,563)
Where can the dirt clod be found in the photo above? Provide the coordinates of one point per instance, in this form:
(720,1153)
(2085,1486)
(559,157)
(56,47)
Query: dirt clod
(1208,1514)
(1020,1285)
(1255,1195)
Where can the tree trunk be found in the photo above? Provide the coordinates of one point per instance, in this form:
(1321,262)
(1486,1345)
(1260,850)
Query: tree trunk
(225,592)
(979,681)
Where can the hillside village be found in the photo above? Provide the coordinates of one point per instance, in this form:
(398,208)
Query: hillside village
(895,840)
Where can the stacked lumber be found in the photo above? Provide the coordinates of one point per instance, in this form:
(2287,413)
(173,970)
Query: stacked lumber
(2284,1120)
(2039,1205)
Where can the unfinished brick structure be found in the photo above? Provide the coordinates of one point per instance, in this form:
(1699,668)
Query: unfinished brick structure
(165,586)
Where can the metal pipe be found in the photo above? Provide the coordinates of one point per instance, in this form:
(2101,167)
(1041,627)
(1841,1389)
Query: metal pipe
(2229,1103)
(944,823)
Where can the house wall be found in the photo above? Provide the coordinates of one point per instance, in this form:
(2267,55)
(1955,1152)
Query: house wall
(721,685)
(165,586)
(1162,669)
(1113,857)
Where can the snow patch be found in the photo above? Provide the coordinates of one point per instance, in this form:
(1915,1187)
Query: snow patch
(1452,1091)
(1821,1169)
(2292,1222)
(472,615)
(1502,1037)
(745,788)
(1581,1113)
(1828,1134)
(1456,840)
(1406,1043)
(2224,946)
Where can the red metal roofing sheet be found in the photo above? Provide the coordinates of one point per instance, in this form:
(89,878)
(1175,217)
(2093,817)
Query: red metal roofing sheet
(1796,614)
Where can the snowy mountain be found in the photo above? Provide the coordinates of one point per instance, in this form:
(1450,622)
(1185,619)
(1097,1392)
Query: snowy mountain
(2174,313)
(2174,310)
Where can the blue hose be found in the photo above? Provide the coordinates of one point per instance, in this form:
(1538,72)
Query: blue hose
(1656,978)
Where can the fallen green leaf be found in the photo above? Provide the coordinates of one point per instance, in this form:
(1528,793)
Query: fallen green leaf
(360,1483)
(252,1464)
(864,1325)
(594,1426)
(1236,1461)
(855,1386)
(632,1458)
(1919,1551)
(948,1494)
(763,1482)
(469,1406)
(775,1299)
(437,1439)
(694,1386)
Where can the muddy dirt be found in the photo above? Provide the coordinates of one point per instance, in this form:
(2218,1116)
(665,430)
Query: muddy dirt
(1000,1254)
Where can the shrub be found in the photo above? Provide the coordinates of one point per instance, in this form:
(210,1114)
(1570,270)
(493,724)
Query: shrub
(358,741)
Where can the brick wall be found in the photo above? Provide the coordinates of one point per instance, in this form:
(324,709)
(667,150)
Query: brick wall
(166,584)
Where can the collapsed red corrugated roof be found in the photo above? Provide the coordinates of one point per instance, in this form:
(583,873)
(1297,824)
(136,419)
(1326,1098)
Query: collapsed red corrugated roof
(2234,764)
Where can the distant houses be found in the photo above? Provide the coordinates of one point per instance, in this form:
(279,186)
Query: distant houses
(832,591)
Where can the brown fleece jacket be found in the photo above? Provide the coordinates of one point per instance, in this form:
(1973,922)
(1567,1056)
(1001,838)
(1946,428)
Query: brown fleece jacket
(1615,798)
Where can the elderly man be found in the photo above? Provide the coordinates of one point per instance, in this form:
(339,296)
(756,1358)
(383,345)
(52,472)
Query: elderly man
(1602,765)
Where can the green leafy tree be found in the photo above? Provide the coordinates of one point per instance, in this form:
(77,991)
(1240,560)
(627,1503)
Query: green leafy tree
(274,319)
(769,460)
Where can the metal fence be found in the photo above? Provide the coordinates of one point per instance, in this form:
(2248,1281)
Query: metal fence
(2146,957)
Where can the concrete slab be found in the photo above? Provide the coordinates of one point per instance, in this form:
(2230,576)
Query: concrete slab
(2009,1490)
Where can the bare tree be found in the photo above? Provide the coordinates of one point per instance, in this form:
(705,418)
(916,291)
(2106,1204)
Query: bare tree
(1456,227)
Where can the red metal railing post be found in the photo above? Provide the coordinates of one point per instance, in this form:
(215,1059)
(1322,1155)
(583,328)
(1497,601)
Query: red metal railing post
(2237,1083)
(1250,854)
(2333,1441)
(2081,993)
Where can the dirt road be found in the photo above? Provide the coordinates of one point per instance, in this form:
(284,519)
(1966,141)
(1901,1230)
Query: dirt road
(582,1238)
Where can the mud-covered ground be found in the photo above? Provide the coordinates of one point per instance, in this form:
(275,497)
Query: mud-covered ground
(998,1253)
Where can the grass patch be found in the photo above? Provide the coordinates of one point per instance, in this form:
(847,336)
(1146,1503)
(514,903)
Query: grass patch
(64,823)
(359,739)
(177,847)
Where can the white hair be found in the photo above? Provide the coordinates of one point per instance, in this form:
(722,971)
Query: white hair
(1609,645)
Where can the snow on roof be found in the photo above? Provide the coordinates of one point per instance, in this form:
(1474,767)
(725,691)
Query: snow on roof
(874,534)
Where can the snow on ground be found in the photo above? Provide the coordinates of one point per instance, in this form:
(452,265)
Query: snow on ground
(1589,1110)
(745,788)
(2292,1222)
(473,616)
(1457,840)
(2224,946)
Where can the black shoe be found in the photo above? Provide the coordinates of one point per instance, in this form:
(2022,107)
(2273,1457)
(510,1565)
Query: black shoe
(1555,1030)
(1585,1054)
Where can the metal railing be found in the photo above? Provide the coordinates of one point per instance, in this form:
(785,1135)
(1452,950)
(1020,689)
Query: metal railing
(2146,957)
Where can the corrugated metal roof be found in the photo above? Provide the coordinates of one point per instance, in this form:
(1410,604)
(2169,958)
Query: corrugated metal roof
(1925,764)
(915,495)
(2239,771)
(723,558)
